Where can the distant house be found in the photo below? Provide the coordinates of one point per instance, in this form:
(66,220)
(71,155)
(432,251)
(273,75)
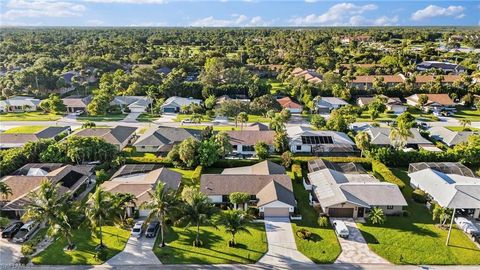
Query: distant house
(327,104)
(163,139)
(271,194)
(435,103)
(174,104)
(29,177)
(243,141)
(451,185)
(380,136)
(76,103)
(449,137)
(120,136)
(256,126)
(365,82)
(446,67)
(139,179)
(289,104)
(266,167)
(224,98)
(351,193)
(420,80)
(309,75)
(321,142)
(136,104)
(14,140)
(359,38)
(393,104)
(19,104)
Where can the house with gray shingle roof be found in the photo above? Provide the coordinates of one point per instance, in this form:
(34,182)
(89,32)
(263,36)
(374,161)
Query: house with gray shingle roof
(163,139)
(449,137)
(14,140)
(120,136)
(380,136)
(136,104)
(19,104)
(174,104)
(265,167)
(327,104)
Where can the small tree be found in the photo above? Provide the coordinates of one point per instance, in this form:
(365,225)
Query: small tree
(5,191)
(89,124)
(208,153)
(262,150)
(242,118)
(422,100)
(377,216)
(280,141)
(376,107)
(222,139)
(239,198)
(362,141)
(287,159)
(465,123)
(441,213)
(285,114)
(234,221)
(318,121)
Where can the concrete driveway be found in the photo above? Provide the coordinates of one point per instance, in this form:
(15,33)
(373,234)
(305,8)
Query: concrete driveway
(282,249)
(131,117)
(9,253)
(355,248)
(138,251)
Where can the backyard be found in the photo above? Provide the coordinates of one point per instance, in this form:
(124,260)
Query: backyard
(215,250)
(416,239)
(114,238)
(29,116)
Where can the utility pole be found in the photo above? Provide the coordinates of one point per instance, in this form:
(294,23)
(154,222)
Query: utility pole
(451,224)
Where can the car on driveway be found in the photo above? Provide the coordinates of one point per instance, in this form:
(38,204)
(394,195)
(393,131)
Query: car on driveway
(26,231)
(152,229)
(187,121)
(12,229)
(466,225)
(341,228)
(137,229)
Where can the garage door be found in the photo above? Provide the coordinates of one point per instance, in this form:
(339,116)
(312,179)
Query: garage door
(169,110)
(340,212)
(137,110)
(276,212)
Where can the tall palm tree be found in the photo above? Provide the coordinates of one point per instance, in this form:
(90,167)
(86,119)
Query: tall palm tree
(242,118)
(163,205)
(196,210)
(362,141)
(377,216)
(235,221)
(47,205)
(120,202)
(5,191)
(277,124)
(399,136)
(465,123)
(98,209)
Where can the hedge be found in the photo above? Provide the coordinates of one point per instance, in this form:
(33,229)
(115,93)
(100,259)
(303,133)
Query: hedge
(297,172)
(386,174)
(142,160)
(419,196)
(197,174)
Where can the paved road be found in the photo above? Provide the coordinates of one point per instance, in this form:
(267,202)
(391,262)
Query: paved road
(355,248)
(282,250)
(9,252)
(137,251)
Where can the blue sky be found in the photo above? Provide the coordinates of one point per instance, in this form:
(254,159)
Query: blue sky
(223,13)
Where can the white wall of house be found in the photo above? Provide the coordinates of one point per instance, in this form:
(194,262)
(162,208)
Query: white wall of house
(295,110)
(394,210)
(137,109)
(240,150)
(216,198)
(276,204)
(303,148)
(397,108)
(147,148)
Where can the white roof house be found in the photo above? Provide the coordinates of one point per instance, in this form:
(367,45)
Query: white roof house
(381,136)
(305,139)
(19,103)
(449,137)
(136,104)
(326,104)
(173,104)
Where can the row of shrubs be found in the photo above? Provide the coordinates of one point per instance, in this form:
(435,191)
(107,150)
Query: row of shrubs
(197,174)
(379,169)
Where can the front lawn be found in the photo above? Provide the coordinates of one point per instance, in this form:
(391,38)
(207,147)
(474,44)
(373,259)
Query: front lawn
(29,116)
(114,238)
(469,114)
(186,176)
(215,249)
(383,117)
(25,129)
(324,247)
(416,239)
(147,117)
(102,118)
(456,128)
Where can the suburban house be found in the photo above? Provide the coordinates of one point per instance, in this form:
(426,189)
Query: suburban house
(256,126)
(449,137)
(446,67)
(265,167)
(72,178)
(320,142)
(19,104)
(136,104)
(327,104)
(309,75)
(424,79)
(14,140)
(365,82)
(76,103)
(120,136)
(346,190)
(243,141)
(289,104)
(139,179)
(224,98)
(393,104)
(380,136)
(272,194)
(435,103)
(163,139)
(451,185)
(174,104)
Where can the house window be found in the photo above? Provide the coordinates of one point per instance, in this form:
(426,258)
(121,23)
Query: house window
(143,146)
(248,148)
(225,198)
(389,207)
(234,147)
(299,147)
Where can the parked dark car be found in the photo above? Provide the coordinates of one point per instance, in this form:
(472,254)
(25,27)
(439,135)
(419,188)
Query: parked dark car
(12,229)
(152,229)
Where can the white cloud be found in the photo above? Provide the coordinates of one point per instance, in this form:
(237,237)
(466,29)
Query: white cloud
(129,1)
(237,20)
(95,22)
(41,8)
(339,14)
(435,11)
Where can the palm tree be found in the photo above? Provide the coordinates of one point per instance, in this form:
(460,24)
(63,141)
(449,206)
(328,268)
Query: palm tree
(377,216)
(399,136)
(222,139)
(277,124)
(196,118)
(465,123)
(242,118)
(441,213)
(49,206)
(5,191)
(362,140)
(120,202)
(163,204)
(196,210)
(235,221)
(98,210)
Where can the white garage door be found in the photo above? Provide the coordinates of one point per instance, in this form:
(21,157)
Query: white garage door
(276,212)
(143,213)
(137,110)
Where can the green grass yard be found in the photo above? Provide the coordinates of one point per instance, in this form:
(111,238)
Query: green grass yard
(102,118)
(472,115)
(251,118)
(29,116)
(215,249)
(416,239)
(25,129)
(186,176)
(147,117)
(457,128)
(114,238)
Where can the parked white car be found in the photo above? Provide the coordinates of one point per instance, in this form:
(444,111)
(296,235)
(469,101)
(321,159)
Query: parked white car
(466,225)
(341,228)
(25,232)
(78,113)
(137,229)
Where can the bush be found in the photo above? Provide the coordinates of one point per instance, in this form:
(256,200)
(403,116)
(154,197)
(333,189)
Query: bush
(304,234)
(197,174)
(297,172)
(323,222)
(253,211)
(101,176)
(386,174)
(4,222)
(419,196)
(129,222)
(23,260)
(27,249)
(148,160)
